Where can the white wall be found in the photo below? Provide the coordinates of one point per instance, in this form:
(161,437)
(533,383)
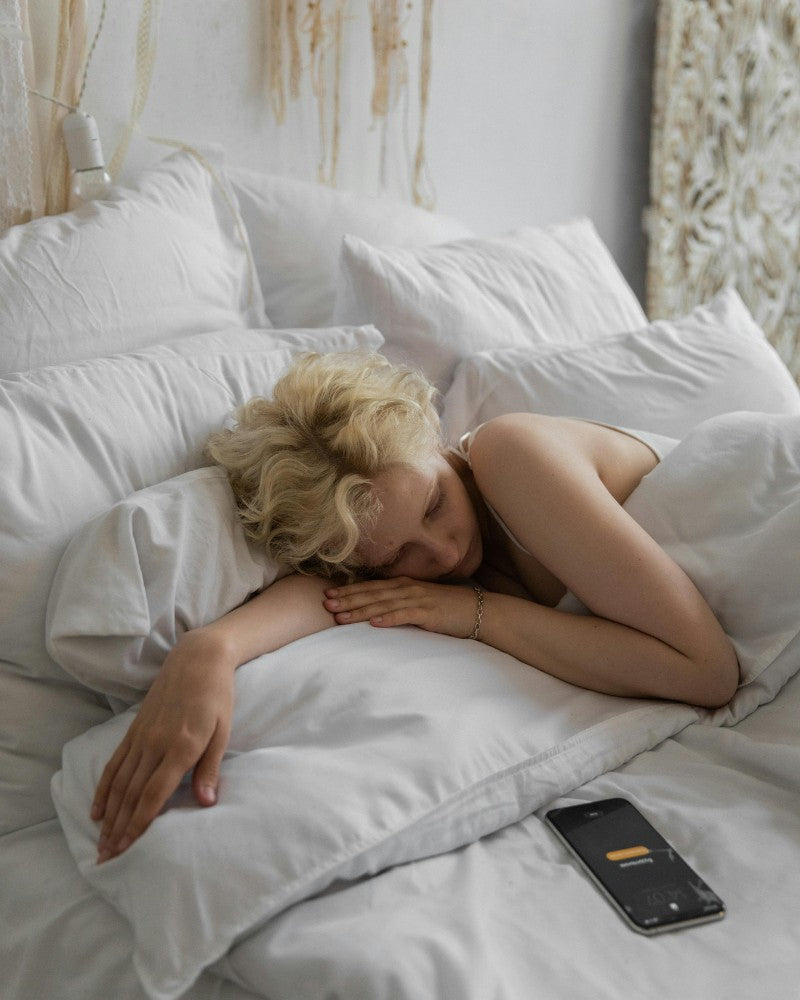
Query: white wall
(542,111)
(539,109)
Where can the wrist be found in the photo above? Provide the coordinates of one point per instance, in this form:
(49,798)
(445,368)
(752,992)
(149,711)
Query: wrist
(212,645)
(479,593)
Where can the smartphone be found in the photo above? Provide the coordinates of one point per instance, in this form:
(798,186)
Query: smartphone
(643,876)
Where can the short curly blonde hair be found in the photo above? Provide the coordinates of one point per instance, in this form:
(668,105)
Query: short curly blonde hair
(302,464)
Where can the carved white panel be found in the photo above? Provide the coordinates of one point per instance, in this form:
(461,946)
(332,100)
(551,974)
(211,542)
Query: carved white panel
(725,162)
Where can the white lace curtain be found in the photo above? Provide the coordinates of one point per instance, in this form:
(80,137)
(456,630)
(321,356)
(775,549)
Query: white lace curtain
(33,164)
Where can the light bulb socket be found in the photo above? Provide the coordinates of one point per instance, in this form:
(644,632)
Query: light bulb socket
(83,141)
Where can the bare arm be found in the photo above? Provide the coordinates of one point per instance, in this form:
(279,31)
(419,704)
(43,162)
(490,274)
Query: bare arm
(184,721)
(650,632)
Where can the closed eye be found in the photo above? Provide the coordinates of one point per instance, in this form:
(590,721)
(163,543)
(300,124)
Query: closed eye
(437,505)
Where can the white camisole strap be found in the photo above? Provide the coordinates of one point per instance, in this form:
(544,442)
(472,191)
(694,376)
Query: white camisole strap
(659,444)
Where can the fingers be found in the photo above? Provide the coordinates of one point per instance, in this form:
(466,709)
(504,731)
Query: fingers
(149,803)
(100,801)
(183,723)
(372,598)
(205,779)
(134,801)
(435,607)
(129,779)
(357,611)
(137,784)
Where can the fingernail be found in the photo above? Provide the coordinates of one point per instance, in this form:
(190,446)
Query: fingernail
(103,856)
(376,621)
(332,604)
(209,794)
(344,616)
(124,844)
(333,592)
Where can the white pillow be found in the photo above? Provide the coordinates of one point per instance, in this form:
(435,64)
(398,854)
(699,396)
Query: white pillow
(165,259)
(351,750)
(296,228)
(437,305)
(725,505)
(165,560)
(360,748)
(664,378)
(76,439)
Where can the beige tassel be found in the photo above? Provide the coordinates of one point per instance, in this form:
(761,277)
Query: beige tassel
(295,62)
(326,32)
(387,44)
(277,94)
(146,47)
(421,198)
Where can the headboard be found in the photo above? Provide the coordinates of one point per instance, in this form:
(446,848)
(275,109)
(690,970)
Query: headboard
(725,162)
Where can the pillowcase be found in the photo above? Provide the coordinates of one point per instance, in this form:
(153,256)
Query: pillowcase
(437,305)
(351,750)
(77,438)
(168,559)
(296,228)
(165,259)
(666,377)
(725,505)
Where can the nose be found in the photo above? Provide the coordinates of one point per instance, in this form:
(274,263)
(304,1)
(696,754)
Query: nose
(445,554)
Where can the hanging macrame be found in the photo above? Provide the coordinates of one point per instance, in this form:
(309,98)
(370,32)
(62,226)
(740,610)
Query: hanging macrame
(323,25)
(146,46)
(325,32)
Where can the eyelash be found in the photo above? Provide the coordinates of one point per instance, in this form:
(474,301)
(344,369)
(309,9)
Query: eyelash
(433,510)
(437,506)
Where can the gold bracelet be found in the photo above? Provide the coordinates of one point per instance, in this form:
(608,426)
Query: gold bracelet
(476,628)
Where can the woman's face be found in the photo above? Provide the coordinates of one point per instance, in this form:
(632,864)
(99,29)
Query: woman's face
(427,528)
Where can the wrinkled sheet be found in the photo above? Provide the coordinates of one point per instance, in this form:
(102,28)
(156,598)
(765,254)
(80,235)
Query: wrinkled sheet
(357,750)
(512,916)
(507,917)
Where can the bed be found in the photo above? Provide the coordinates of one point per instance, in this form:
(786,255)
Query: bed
(380,831)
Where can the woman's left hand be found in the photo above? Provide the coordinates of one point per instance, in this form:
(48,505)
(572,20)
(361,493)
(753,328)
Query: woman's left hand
(435,607)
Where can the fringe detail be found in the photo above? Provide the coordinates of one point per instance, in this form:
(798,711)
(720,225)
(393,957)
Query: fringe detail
(323,25)
(146,46)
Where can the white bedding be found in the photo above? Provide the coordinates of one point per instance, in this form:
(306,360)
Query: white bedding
(509,916)
(379,834)
(355,751)
(512,916)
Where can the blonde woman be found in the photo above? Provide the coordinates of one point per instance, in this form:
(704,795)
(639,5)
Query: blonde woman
(342,475)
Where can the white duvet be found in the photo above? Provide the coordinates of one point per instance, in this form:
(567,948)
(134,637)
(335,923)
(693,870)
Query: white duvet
(358,749)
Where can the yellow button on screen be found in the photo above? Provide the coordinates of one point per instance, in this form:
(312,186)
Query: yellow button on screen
(628,852)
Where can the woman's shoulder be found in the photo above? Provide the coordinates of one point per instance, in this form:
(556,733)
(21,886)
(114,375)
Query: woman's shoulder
(527,430)
(518,446)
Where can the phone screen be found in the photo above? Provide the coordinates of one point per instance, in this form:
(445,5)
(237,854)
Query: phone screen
(651,885)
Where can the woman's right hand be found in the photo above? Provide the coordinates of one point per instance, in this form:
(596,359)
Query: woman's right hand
(184,722)
(185,718)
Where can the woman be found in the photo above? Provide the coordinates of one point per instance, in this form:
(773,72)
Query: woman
(342,476)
